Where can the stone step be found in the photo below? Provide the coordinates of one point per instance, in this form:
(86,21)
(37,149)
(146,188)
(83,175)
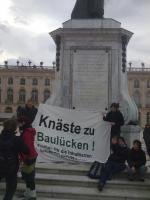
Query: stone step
(41,198)
(84,181)
(72,169)
(82,193)
(63,168)
(69,182)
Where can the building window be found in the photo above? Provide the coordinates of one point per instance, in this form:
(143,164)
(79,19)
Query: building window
(8,110)
(47,82)
(10,81)
(22,96)
(148,118)
(10,95)
(46,95)
(136,84)
(35,81)
(136,97)
(22,81)
(148,84)
(34,96)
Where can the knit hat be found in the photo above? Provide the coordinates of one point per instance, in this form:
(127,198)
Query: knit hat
(115,105)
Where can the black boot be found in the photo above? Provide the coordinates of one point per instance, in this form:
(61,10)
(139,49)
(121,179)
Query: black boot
(100,186)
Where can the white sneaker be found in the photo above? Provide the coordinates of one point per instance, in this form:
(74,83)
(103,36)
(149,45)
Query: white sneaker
(27,192)
(32,195)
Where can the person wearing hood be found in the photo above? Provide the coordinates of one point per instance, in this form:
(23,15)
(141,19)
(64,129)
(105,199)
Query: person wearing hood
(10,148)
(28,168)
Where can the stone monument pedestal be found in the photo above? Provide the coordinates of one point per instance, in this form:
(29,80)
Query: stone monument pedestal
(91,66)
(130,133)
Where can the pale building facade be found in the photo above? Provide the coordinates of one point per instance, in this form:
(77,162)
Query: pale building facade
(20,83)
(139,89)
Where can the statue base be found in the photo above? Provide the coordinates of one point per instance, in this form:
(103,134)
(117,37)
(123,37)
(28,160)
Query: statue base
(130,133)
(90,74)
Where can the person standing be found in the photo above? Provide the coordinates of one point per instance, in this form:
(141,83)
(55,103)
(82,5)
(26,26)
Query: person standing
(10,148)
(28,168)
(146,136)
(29,111)
(116,118)
(136,161)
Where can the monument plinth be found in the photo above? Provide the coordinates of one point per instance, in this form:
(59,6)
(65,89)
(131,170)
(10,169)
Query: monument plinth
(91,66)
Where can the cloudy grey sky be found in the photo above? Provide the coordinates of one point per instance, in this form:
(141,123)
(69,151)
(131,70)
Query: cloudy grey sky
(25,24)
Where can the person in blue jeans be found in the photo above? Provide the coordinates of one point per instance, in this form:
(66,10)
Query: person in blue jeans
(116,161)
(136,162)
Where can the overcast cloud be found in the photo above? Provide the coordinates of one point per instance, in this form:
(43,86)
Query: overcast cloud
(25,24)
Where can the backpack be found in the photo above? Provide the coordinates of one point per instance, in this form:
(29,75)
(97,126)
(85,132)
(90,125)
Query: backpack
(95,170)
(8,159)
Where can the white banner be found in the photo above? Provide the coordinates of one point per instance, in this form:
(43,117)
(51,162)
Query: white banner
(64,134)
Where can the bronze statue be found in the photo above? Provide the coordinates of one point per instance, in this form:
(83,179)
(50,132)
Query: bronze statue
(88,9)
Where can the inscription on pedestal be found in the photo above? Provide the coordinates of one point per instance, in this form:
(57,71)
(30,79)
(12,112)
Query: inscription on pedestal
(90,80)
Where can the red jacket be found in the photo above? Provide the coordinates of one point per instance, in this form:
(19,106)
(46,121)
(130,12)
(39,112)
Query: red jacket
(28,137)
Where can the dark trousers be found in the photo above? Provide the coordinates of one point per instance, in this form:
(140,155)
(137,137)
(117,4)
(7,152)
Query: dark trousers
(28,173)
(140,172)
(29,179)
(147,147)
(148,151)
(115,133)
(110,169)
(11,185)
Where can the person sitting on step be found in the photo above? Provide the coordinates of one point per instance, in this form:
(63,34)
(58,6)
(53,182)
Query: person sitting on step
(116,161)
(136,162)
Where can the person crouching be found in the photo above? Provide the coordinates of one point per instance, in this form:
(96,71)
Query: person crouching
(28,168)
(136,162)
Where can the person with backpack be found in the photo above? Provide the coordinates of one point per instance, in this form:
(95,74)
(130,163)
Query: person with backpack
(28,168)
(10,148)
(116,161)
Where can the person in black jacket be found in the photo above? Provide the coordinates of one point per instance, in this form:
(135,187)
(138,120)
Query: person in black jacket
(146,136)
(136,161)
(28,111)
(116,161)
(10,148)
(116,118)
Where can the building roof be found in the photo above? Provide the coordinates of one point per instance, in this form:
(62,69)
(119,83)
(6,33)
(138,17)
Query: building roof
(138,70)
